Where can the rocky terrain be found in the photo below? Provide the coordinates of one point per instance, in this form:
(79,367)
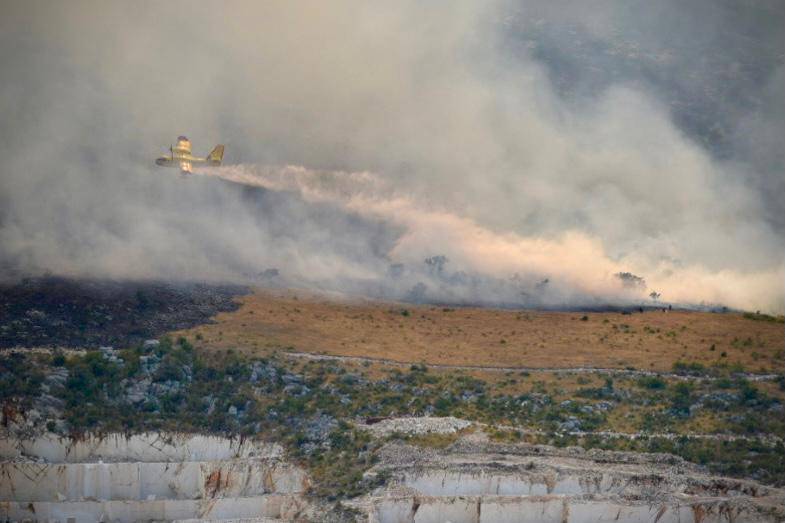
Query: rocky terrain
(211,432)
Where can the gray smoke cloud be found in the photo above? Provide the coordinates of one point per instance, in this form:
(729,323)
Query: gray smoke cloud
(552,140)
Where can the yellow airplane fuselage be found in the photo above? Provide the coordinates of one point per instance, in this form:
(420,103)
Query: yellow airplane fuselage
(181,156)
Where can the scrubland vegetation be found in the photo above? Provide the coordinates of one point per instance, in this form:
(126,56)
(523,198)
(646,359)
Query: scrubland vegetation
(311,406)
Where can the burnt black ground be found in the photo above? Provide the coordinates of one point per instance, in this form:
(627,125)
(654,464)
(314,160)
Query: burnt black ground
(53,311)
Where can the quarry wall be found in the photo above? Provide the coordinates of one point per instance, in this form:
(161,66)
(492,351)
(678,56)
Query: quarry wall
(154,477)
(145,477)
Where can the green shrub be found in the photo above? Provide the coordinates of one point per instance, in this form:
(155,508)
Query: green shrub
(683,367)
(58,359)
(652,382)
(764,317)
(681,398)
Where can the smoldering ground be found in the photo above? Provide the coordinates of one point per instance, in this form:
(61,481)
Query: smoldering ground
(528,138)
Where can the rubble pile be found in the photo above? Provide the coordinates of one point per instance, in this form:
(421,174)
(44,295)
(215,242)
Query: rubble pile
(416,425)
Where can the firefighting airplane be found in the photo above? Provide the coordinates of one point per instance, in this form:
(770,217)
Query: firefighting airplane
(180,156)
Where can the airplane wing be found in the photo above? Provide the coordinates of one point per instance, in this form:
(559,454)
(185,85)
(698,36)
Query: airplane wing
(216,155)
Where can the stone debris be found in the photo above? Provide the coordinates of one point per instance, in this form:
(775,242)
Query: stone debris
(296,389)
(57,377)
(319,427)
(112,355)
(263,372)
(572,424)
(235,520)
(138,391)
(414,426)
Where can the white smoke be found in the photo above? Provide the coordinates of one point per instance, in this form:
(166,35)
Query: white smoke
(542,138)
(577,261)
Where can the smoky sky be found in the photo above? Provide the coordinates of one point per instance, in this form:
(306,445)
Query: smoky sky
(557,140)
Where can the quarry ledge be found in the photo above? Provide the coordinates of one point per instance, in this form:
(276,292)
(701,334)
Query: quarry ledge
(167,477)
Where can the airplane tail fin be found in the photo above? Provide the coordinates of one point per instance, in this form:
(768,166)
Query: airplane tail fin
(216,155)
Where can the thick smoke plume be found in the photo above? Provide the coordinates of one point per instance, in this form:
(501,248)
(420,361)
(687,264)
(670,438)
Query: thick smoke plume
(541,147)
(584,273)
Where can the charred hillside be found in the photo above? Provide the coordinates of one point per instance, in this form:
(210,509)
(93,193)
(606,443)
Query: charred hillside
(54,311)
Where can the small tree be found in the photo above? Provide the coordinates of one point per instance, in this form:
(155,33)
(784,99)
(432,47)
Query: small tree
(437,263)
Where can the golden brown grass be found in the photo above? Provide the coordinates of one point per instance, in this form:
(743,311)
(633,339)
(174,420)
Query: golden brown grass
(269,321)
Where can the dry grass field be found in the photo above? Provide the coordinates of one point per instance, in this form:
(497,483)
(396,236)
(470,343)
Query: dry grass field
(654,340)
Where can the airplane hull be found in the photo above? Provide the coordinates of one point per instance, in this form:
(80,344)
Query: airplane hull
(182,158)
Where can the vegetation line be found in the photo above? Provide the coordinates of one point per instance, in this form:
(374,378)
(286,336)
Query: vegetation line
(588,370)
(770,439)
